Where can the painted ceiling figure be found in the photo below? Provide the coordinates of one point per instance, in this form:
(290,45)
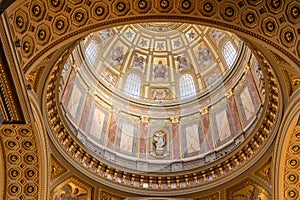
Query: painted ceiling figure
(117,56)
(138,61)
(67,193)
(204,56)
(217,35)
(160,71)
(182,62)
(253,194)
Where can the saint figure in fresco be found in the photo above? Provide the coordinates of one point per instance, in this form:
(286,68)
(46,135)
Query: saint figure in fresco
(160,71)
(217,35)
(204,56)
(117,56)
(182,62)
(138,62)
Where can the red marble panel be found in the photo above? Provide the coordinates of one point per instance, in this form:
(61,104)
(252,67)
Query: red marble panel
(68,89)
(86,112)
(208,141)
(112,131)
(175,140)
(143,140)
(254,91)
(234,115)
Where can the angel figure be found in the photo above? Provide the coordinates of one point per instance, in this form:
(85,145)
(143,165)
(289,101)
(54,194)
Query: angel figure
(182,62)
(251,195)
(67,193)
(138,61)
(204,56)
(217,35)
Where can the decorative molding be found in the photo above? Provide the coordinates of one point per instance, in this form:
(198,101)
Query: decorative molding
(193,179)
(22,162)
(49,27)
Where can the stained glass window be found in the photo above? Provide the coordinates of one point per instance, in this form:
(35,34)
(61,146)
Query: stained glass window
(229,53)
(186,86)
(133,86)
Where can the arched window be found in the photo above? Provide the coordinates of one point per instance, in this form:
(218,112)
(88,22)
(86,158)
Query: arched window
(186,86)
(229,53)
(91,51)
(133,86)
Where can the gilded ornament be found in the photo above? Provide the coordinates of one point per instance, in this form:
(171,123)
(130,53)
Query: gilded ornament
(55,3)
(121,6)
(14,173)
(288,36)
(14,158)
(164,4)
(100,11)
(274,6)
(30,173)
(142,4)
(20,21)
(14,189)
(186,4)
(37,10)
(269,26)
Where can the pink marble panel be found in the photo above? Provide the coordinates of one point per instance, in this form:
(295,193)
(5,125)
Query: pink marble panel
(234,115)
(86,112)
(175,140)
(112,131)
(68,89)
(207,137)
(254,91)
(143,140)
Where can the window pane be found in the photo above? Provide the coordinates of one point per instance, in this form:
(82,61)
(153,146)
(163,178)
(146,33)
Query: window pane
(186,86)
(229,53)
(91,51)
(133,86)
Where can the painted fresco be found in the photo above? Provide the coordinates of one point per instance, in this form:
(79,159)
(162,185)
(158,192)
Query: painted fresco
(71,189)
(248,190)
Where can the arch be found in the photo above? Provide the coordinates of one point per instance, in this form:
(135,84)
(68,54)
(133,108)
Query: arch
(287,164)
(66,27)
